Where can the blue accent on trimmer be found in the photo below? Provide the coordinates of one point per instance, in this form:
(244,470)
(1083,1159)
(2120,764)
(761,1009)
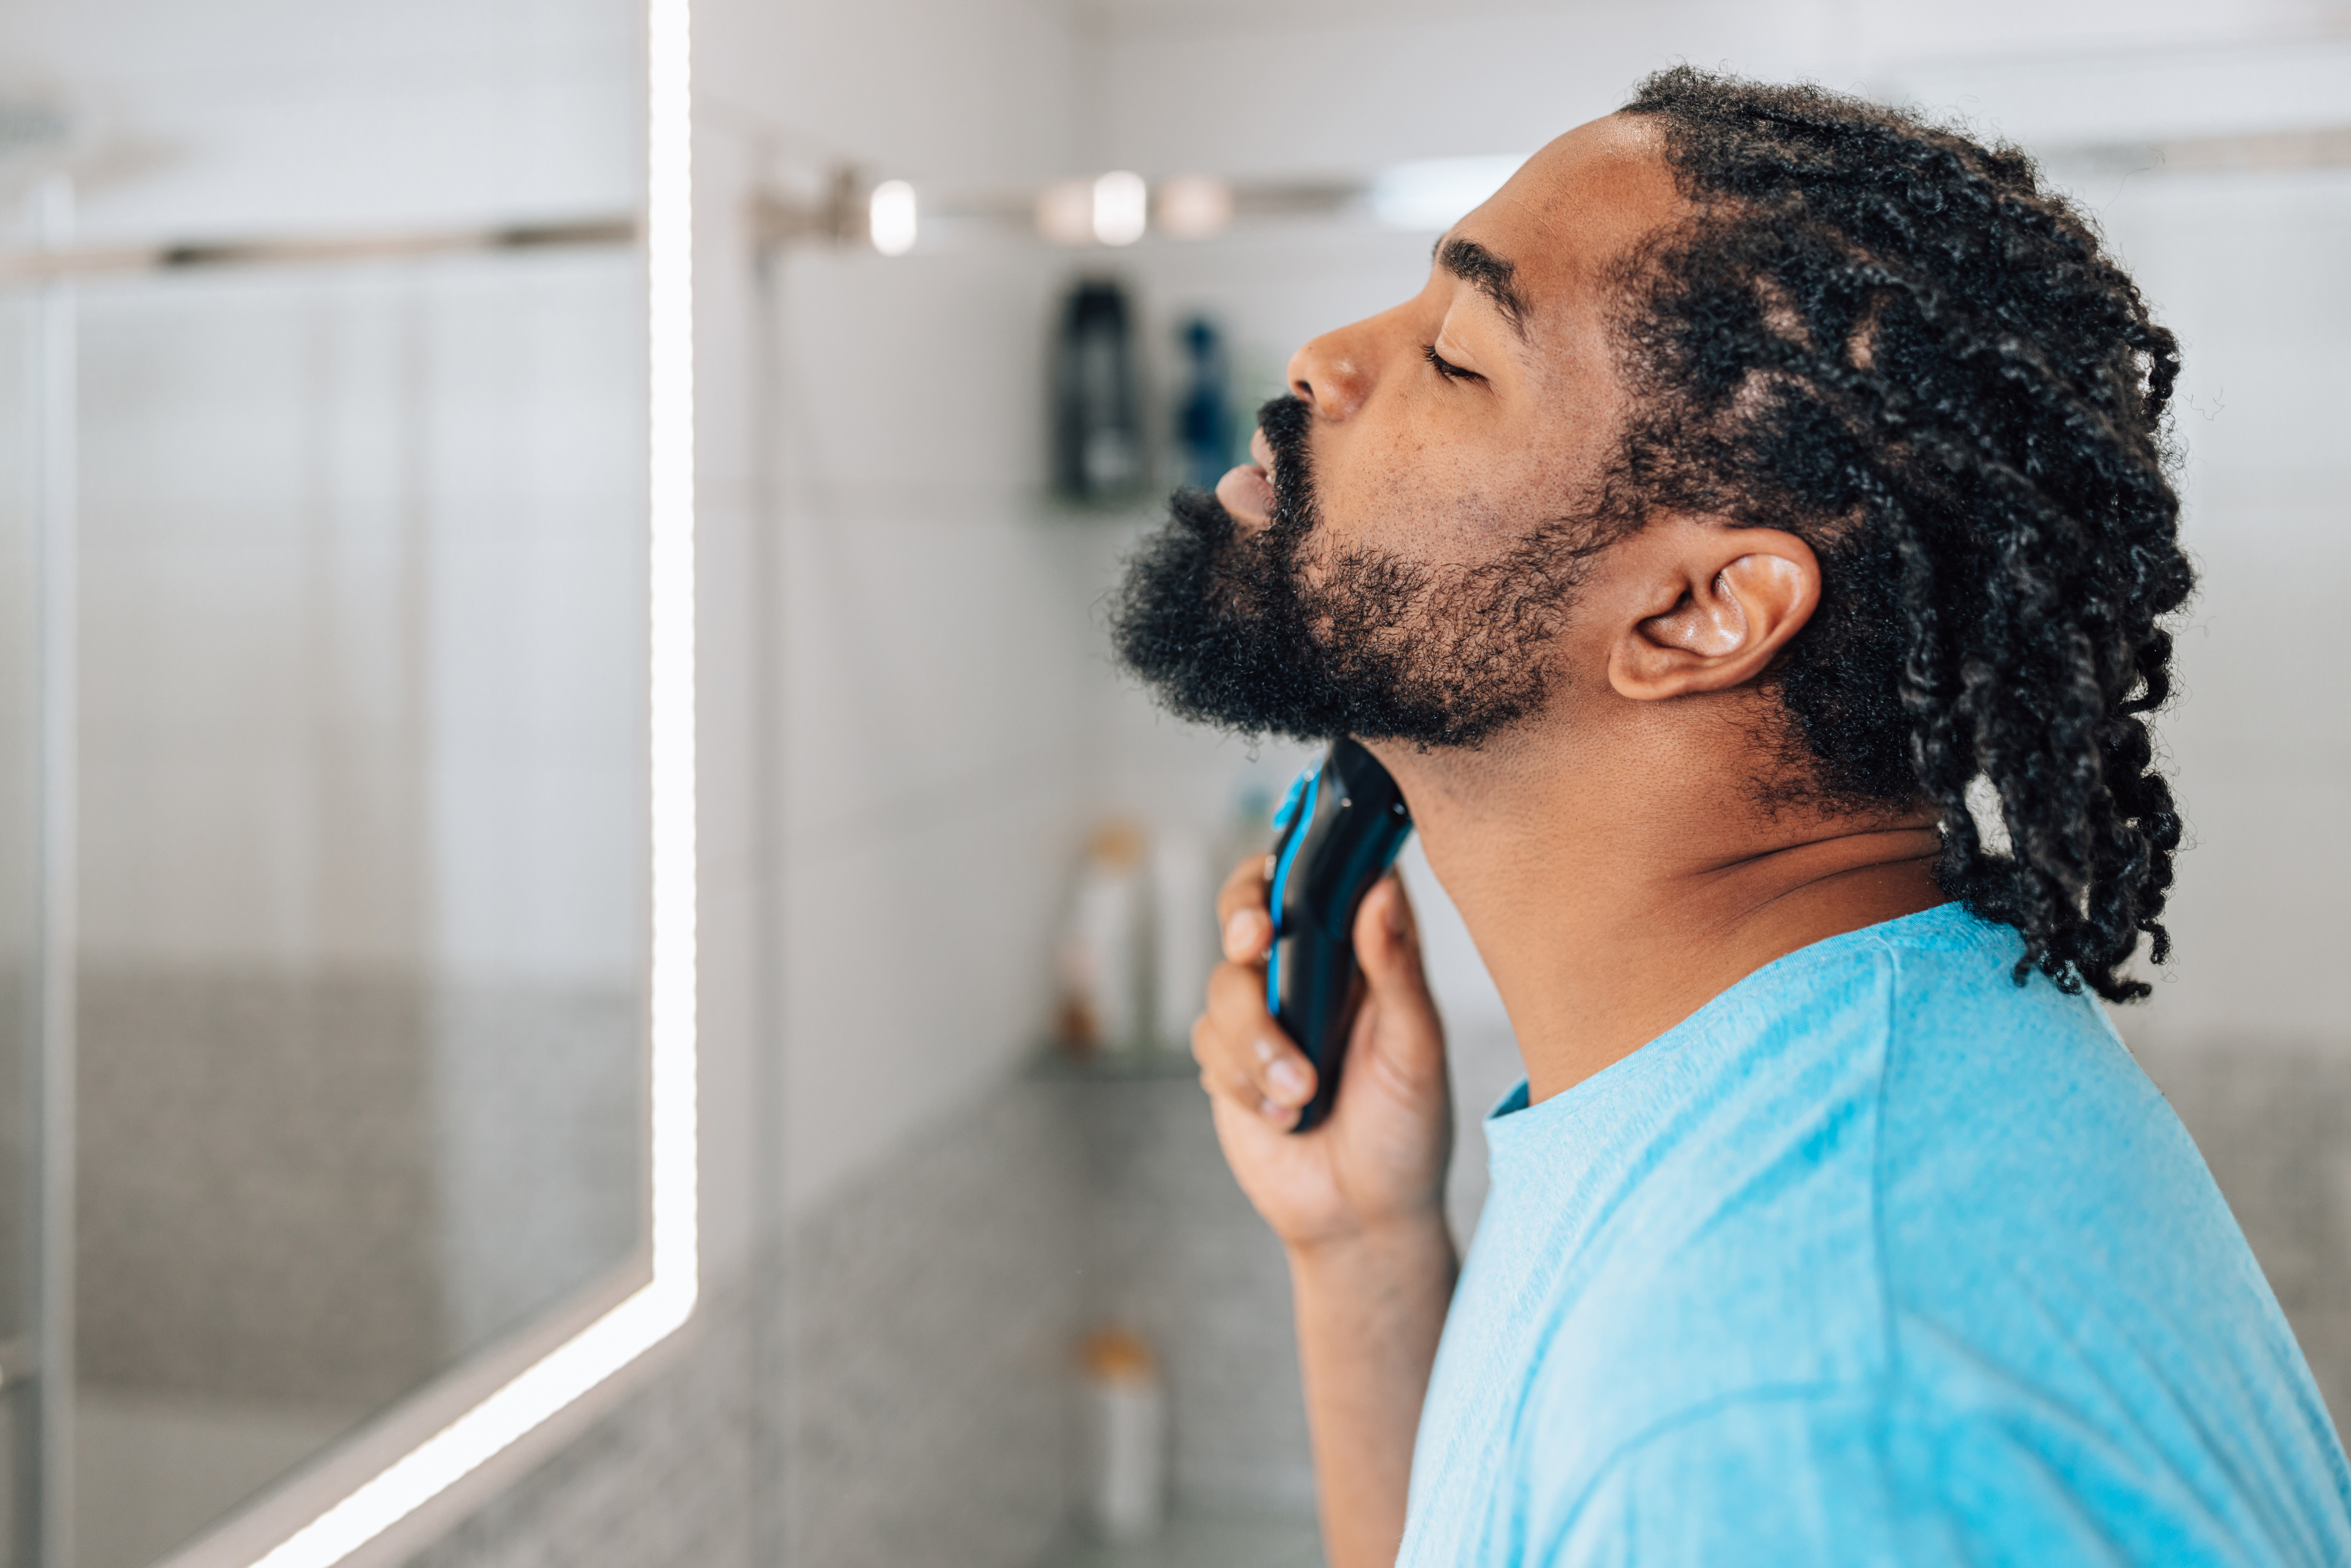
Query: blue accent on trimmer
(1296,792)
(1299,805)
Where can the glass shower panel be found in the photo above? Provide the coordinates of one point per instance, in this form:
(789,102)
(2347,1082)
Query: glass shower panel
(362,796)
(20,482)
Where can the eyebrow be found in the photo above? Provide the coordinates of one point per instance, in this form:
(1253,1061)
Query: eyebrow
(1489,274)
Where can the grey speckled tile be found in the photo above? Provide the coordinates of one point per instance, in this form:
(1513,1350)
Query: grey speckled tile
(922,1324)
(1175,1251)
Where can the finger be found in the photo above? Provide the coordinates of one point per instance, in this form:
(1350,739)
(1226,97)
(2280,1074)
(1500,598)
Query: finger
(1241,913)
(1387,944)
(1243,1048)
(1228,1083)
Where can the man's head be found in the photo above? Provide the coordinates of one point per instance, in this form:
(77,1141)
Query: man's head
(1426,509)
(1743,395)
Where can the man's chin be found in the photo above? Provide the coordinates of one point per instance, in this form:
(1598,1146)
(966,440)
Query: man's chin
(1213,618)
(1203,616)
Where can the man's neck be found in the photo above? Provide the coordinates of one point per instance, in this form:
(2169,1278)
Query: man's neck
(1613,890)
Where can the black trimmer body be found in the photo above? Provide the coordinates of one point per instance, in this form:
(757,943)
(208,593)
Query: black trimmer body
(1338,833)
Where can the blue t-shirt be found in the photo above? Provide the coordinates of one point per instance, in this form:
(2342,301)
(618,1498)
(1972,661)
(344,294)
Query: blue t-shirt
(1877,1258)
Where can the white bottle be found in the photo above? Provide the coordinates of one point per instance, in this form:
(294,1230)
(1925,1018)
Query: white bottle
(1102,951)
(1183,933)
(1126,1492)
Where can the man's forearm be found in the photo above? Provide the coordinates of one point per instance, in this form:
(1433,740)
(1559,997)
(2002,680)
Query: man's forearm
(1370,1309)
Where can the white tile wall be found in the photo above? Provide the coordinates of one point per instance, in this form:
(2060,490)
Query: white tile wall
(910,647)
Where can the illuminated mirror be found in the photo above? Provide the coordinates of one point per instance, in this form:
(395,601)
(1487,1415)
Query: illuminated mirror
(346,553)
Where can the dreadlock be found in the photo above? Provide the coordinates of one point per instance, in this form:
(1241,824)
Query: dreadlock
(1900,345)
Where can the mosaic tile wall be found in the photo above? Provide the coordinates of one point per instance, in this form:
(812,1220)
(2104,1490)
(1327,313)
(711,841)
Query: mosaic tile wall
(913,1342)
(321,1189)
(1175,1252)
(2274,1124)
(257,1201)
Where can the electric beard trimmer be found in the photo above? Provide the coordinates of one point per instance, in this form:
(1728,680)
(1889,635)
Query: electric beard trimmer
(1338,832)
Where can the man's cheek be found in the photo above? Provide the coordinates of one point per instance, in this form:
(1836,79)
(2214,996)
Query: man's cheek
(1370,505)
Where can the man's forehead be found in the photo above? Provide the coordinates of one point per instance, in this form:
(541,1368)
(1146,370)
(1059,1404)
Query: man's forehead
(1569,212)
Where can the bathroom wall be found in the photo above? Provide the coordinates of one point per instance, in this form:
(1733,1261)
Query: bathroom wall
(893,791)
(19,846)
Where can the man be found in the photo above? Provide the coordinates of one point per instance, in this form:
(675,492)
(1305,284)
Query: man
(1748,554)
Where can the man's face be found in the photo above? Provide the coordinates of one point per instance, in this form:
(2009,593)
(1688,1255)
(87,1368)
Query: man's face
(1400,560)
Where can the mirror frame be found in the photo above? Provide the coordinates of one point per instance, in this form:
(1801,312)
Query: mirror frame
(477,1420)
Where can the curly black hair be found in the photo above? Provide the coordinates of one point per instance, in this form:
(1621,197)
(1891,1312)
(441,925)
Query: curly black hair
(1903,346)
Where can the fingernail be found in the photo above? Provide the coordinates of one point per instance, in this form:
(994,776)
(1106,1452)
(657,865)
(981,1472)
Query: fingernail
(1288,1079)
(1265,1050)
(1237,934)
(1273,1113)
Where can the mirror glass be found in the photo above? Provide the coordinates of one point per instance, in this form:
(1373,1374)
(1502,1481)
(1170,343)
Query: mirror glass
(20,438)
(358,325)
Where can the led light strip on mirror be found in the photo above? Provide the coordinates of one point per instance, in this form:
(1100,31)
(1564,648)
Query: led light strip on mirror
(657,1310)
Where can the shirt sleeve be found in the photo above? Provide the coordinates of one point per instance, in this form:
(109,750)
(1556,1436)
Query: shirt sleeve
(1793,1482)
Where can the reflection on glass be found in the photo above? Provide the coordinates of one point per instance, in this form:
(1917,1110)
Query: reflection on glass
(362,753)
(19,866)
(361,931)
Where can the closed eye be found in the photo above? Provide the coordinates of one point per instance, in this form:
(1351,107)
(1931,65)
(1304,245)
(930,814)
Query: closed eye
(1448,369)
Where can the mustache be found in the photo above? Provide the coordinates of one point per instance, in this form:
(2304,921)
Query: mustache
(1284,420)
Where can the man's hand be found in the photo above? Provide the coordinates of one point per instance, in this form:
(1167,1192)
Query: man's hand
(1378,1160)
(1359,1201)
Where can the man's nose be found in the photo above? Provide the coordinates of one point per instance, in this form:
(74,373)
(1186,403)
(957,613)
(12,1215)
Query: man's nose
(1332,374)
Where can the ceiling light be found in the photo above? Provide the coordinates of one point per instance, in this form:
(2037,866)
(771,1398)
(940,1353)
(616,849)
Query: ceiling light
(1122,208)
(1065,212)
(891,218)
(1194,206)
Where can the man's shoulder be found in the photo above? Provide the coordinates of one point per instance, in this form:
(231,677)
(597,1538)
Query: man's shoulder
(1885,1221)
(1850,1136)
(2017,1137)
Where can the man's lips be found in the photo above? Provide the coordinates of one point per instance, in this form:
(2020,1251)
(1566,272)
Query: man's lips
(1247,492)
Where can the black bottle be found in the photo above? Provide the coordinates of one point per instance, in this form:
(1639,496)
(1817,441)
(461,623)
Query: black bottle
(1098,455)
(1204,427)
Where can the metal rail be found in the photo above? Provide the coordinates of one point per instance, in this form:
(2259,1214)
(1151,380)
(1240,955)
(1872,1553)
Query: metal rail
(838,214)
(2262,152)
(207,254)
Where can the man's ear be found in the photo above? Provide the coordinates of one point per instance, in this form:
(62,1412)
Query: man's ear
(1714,608)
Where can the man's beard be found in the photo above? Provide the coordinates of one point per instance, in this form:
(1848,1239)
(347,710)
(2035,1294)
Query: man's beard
(1238,631)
